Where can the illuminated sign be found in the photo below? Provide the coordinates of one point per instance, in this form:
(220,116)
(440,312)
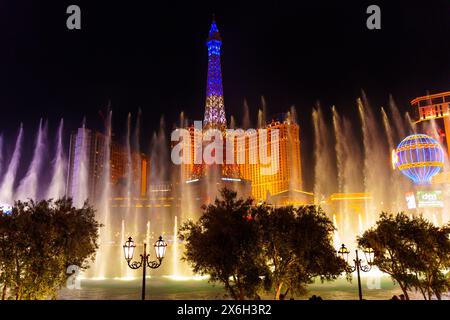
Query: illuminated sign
(430,199)
(410,200)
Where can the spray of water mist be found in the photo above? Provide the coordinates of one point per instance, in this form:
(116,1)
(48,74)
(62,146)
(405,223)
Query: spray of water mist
(56,189)
(80,179)
(348,174)
(28,187)
(6,189)
(376,156)
(411,126)
(324,174)
(361,167)
(129,183)
(1,155)
(246,123)
(136,167)
(399,123)
(232,123)
(105,253)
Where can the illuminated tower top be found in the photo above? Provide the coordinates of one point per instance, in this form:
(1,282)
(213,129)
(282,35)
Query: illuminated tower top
(214,109)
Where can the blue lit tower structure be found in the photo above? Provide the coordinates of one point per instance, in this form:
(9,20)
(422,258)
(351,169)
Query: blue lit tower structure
(214,109)
(207,179)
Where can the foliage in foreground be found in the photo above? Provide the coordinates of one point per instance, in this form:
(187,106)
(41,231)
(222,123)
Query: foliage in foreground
(225,244)
(298,246)
(38,241)
(251,248)
(413,251)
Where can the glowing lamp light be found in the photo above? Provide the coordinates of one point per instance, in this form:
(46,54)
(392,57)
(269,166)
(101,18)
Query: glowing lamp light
(343,252)
(160,248)
(419,157)
(369,254)
(128,249)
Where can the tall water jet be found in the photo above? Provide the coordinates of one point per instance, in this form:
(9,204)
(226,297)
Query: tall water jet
(1,155)
(232,123)
(147,234)
(136,168)
(397,118)
(246,123)
(261,121)
(412,128)
(105,252)
(123,267)
(160,175)
(128,171)
(349,175)
(360,225)
(159,155)
(394,181)
(293,115)
(175,247)
(28,187)
(80,185)
(347,154)
(376,162)
(56,189)
(264,110)
(387,129)
(6,189)
(182,120)
(323,168)
(336,238)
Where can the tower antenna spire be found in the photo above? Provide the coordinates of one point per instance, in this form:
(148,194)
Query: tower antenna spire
(214,107)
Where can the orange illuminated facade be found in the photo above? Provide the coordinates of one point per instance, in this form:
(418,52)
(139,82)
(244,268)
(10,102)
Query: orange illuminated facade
(278,180)
(269,161)
(434,106)
(284,177)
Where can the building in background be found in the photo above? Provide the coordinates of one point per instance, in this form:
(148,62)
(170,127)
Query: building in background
(86,167)
(130,171)
(281,186)
(434,107)
(431,114)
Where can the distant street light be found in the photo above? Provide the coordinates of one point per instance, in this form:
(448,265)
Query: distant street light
(160,251)
(368,253)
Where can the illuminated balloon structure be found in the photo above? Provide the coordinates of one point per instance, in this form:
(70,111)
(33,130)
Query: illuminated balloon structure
(419,157)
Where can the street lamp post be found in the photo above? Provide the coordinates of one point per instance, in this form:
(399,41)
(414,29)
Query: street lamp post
(368,253)
(160,251)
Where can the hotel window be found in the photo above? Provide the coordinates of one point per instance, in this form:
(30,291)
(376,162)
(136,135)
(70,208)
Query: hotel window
(437,100)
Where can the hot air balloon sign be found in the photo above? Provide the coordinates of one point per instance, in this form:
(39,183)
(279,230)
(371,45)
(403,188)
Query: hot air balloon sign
(419,157)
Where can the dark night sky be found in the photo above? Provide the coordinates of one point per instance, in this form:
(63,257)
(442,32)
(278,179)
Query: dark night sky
(152,55)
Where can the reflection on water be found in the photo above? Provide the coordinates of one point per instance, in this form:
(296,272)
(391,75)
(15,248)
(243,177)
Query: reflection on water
(169,288)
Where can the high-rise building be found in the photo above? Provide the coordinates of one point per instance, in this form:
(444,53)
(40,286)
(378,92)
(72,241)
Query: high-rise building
(280,179)
(431,114)
(434,107)
(86,167)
